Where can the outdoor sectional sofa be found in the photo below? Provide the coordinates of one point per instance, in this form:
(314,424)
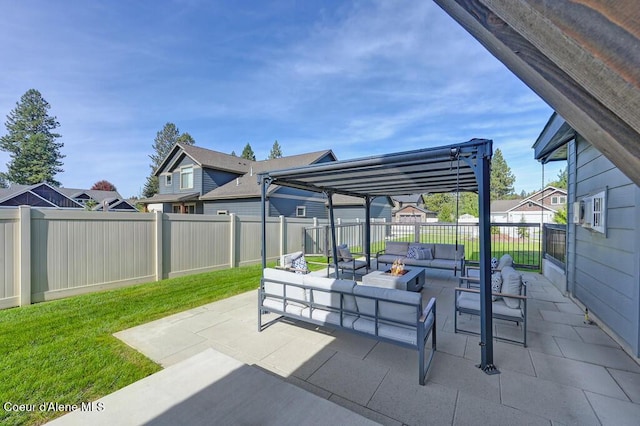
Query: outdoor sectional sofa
(439,256)
(388,315)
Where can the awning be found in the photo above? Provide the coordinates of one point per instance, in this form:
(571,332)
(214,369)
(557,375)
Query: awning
(431,170)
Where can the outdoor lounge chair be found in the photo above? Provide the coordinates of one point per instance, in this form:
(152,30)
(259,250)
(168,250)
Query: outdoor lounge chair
(347,262)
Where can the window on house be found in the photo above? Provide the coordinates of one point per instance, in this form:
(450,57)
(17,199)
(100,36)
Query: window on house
(301,211)
(563,200)
(168,180)
(186,208)
(598,212)
(554,200)
(186,177)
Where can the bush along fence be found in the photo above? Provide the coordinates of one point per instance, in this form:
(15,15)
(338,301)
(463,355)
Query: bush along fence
(50,254)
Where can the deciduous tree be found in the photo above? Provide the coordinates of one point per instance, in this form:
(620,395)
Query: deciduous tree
(31,142)
(103,185)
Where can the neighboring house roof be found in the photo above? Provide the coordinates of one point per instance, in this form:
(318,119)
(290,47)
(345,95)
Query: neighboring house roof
(205,158)
(45,195)
(171,198)
(502,206)
(246,186)
(38,195)
(413,198)
(420,209)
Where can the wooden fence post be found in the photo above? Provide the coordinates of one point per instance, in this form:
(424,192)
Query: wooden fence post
(24,213)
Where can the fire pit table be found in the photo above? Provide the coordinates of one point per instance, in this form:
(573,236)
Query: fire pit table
(412,280)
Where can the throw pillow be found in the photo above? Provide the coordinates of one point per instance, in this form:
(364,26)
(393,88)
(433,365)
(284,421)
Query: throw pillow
(505,261)
(511,284)
(414,253)
(494,263)
(300,265)
(345,254)
(426,254)
(496,285)
(341,247)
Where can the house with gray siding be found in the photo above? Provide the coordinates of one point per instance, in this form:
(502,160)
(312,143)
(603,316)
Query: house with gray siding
(197,180)
(603,232)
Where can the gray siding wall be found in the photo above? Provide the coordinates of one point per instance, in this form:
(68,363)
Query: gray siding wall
(379,210)
(175,180)
(605,272)
(250,207)
(211,179)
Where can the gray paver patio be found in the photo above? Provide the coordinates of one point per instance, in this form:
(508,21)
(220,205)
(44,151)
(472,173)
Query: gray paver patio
(571,373)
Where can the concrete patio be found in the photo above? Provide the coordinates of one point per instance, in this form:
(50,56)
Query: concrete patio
(570,373)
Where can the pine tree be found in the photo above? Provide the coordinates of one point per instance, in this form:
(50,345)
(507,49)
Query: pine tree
(164,141)
(247,153)
(502,178)
(31,142)
(276,152)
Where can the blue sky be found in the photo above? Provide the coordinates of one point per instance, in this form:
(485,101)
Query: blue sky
(360,78)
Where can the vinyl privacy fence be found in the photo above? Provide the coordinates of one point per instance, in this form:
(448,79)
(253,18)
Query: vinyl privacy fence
(50,254)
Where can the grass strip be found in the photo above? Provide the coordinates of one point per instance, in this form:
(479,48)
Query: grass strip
(63,351)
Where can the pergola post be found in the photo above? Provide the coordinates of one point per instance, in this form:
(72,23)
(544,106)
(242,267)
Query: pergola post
(367,230)
(264,184)
(334,243)
(483,175)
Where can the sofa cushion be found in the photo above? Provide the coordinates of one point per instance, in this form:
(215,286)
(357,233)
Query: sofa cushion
(496,285)
(389,258)
(329,317)
(388,309)
(505,260)
(444,263)
(416,262)
(278,305)
(397,248)
(511,284)
(471,301)
(394,332)
(448,251)
(278,289)
(320,292)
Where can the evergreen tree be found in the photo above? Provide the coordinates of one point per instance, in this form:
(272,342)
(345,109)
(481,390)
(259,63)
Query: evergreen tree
(164,141)
(234,153)
(276,152)
(502,178)
(561,180)
(31,142)
(3,181)
(247,153)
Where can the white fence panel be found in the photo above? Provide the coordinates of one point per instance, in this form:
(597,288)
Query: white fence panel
(9,262)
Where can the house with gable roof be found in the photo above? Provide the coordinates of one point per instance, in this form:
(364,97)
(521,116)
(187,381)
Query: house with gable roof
(44,195)
(197,180)
(539,207)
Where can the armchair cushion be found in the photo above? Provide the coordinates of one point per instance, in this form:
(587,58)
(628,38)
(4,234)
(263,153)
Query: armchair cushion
(511,284)
(505,260)
(344,254)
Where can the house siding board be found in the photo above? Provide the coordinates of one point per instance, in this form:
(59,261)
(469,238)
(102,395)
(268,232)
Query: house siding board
(212,179)
(240,207)
(605,272)
(287,207)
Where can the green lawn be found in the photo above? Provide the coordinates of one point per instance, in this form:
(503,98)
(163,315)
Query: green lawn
(64,352)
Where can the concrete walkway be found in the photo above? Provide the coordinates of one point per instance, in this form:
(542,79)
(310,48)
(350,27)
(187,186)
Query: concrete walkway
(571,373)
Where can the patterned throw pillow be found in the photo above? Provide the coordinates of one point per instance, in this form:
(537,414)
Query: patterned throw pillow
(414,253)
(427,254)
(300,265)
(496,285)
(494,262)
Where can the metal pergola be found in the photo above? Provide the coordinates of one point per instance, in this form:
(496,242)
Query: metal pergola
(463,167)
